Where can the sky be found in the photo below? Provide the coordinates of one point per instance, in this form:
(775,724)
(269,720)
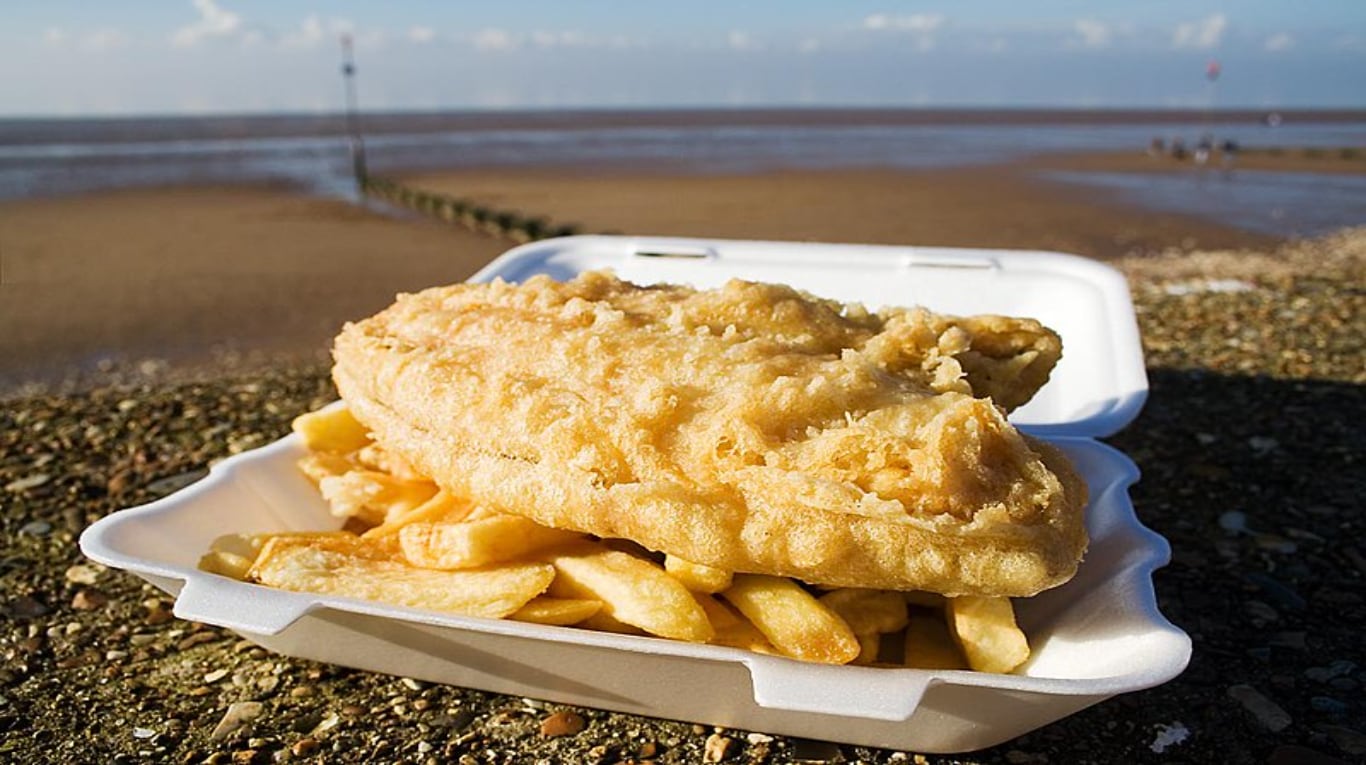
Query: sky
(80,58)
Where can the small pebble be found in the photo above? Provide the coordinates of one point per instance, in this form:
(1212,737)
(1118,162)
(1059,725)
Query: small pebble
(1349,740)
(236,716)
(1337,668)
(717,748)
(1328,704)
(27,482)
(411,684)
(304,747)
(215,676)
(82,574)
(143,733)
(36,528)
(89,600)
(1268,713)
(562,723)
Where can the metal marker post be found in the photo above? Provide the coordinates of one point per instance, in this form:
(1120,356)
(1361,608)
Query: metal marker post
(352,123)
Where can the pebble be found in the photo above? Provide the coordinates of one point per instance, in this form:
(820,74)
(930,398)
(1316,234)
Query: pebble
(215,676)
(562,723)
(1268,713)
(89,600)
(82,573)
(1328,704)
(1334,669)
(304,747)
(1348,740)
(412,685)
(27,482)
(172,484)
(26,607)
(237,715)
(36,528)
(143,733)
(717,748)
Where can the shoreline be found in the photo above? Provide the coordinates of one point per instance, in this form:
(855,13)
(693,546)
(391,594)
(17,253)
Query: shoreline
(139,128)
(174,282)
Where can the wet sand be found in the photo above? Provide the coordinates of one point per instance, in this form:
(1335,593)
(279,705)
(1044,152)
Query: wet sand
(203,276)
(995,206)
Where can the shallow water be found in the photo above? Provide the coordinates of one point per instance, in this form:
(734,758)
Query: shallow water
(63,157)
(1280,204)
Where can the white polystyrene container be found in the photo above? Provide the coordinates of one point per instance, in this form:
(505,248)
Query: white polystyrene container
(1098,635)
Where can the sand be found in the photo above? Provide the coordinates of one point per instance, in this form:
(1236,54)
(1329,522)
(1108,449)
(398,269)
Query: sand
(203,276)
(997,206)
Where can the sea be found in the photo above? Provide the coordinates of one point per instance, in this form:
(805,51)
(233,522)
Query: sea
(48,157)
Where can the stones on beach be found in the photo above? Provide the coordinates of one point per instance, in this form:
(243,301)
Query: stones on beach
(237,715)
(28,482)
(1267,712)
(89,600)
(562,723)
(717,748)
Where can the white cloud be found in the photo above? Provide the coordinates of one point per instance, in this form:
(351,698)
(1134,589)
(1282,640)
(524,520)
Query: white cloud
(1279,42)
(102,40)
(1093,34)
(212,22)
(54,36)
(920,22)
(314,30)
(920,26)
(493,39)
(809,45)
(739,40)
(1203,34)
(421,34)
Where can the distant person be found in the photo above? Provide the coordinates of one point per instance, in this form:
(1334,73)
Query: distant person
(1157,148)
(1178,150)
(1228,152)
(1203,149)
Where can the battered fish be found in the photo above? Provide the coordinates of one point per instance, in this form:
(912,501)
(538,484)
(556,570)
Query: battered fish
(753,427)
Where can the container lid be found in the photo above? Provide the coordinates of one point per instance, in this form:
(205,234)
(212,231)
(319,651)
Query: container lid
(1098,387)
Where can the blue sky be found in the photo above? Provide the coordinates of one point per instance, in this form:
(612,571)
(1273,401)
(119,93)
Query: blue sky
(64,57)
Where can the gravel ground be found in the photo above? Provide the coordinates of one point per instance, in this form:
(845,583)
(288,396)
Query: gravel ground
(1251,447)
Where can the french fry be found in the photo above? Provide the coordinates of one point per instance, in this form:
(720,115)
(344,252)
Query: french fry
(632,591)
(331,430)
(986,631)
(375,457)
(696,576)
(477,543)
(868,612)
(225,563)
(544,609)
(330,567)
(373,497)
(731,628)
(441,507)
(929,644)
(319,465)
(601,622)
(795,623)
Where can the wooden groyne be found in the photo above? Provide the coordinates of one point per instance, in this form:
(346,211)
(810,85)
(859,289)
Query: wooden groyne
(512,224)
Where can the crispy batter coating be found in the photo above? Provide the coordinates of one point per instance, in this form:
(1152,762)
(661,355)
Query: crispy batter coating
(752,428)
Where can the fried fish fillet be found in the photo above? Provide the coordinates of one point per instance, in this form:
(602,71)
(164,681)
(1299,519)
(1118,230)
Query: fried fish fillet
(753,427)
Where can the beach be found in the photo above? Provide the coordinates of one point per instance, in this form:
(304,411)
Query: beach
(202,279)
(199,278)
(149,333)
